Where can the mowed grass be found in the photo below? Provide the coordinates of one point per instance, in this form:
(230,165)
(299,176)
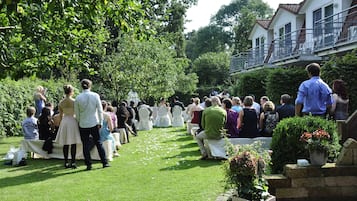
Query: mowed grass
(161,164)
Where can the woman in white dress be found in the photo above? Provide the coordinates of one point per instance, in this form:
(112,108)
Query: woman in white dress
(68,131)
(163,118)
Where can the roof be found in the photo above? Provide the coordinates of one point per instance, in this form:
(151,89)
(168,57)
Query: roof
(294,8)
(263,23)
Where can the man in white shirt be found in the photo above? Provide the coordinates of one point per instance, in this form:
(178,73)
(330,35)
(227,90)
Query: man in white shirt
(89,114)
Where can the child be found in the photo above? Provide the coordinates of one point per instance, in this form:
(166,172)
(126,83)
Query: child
(29,125)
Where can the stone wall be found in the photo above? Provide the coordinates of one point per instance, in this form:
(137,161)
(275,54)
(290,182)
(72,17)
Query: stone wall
(329,182)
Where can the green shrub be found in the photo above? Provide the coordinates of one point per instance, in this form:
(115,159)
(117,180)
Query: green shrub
(253,83)
(284,81)
(16,96)
(286,144)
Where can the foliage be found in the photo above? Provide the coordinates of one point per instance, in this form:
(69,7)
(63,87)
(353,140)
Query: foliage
(160,165)
(212,68)
(244,170)
(252,83)
(284,81)
(148,67)
(211,38)
(319,140)
(16,96)
(239,16)
(343,68)
(286,144)
(70,38)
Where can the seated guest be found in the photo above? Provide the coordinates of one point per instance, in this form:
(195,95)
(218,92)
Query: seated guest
(213,121)
(207,103)
(286,109)
(188,110)
(122,116)
(195,111)
(248,120)
(268,119)
(232,118)
(236,104)
(107,128)
(29,125)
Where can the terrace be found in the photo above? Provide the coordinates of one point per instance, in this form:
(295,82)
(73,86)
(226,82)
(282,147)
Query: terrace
(335,34)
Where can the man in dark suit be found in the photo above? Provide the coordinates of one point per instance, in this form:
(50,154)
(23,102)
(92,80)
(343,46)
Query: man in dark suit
(286,109)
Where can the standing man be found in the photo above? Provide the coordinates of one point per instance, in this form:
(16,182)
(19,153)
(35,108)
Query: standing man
(213,122)
(314,96)
(89,114)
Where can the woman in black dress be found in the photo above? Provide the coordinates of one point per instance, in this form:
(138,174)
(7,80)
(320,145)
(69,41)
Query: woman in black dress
(248,120)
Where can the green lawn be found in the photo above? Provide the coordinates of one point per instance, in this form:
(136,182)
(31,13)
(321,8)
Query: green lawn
(161,164)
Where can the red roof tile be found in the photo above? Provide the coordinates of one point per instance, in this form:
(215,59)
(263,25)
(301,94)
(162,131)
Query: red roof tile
(264,23)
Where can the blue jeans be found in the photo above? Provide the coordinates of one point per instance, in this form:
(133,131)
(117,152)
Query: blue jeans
(86,135)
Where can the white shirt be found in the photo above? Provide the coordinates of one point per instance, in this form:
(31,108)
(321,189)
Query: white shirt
(88,109)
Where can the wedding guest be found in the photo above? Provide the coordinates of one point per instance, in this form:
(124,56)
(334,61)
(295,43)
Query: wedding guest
(236,104)
(68,131)
(45,124)
(40,99)
(232,119)
(163,118)
(89,114)
(339,109)
(314,96)
(122,116)
(213,121)
(131,119)
(29,125)
(268,119)
(248,120)
(107,128)
(286,109)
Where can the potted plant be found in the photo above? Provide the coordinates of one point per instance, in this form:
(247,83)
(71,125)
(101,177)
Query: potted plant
(244,171)
(318,143)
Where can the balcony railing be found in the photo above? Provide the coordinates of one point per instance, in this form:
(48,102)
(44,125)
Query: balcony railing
(334,31)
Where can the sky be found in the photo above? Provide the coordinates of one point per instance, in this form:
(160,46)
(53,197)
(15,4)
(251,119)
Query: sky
(200,14)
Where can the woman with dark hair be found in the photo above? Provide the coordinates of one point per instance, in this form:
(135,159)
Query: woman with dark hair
(232,118)
(339,109)
(44,124)
(68,131)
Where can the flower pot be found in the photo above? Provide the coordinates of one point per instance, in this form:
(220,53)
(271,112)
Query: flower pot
(318,157)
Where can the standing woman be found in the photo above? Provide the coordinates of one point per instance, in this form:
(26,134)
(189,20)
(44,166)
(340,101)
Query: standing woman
(40,100)
(339,107)
(68,131)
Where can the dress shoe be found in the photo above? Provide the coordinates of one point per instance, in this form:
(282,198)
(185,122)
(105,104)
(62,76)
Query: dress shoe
(89,167)
(67,165)
(73,166)
(106,165)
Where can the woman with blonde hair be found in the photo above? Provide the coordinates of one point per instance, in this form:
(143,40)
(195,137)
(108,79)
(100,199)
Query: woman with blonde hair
(40,99)
(268,119)
(68,131)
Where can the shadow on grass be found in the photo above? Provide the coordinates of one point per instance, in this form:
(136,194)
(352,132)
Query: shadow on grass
(192,163)
(36,170)
(180,138)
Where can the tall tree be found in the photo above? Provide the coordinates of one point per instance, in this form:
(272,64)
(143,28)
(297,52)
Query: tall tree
(239,17)
(211,38)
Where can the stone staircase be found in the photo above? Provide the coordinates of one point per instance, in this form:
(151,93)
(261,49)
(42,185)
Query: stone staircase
(328,183)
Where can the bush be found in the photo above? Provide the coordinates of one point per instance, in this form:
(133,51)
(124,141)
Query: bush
(244,170)
(16,96)
(284,81)
(286,144)
(253,83)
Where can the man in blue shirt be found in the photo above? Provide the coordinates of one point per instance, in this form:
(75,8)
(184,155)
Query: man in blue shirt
(314,96)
